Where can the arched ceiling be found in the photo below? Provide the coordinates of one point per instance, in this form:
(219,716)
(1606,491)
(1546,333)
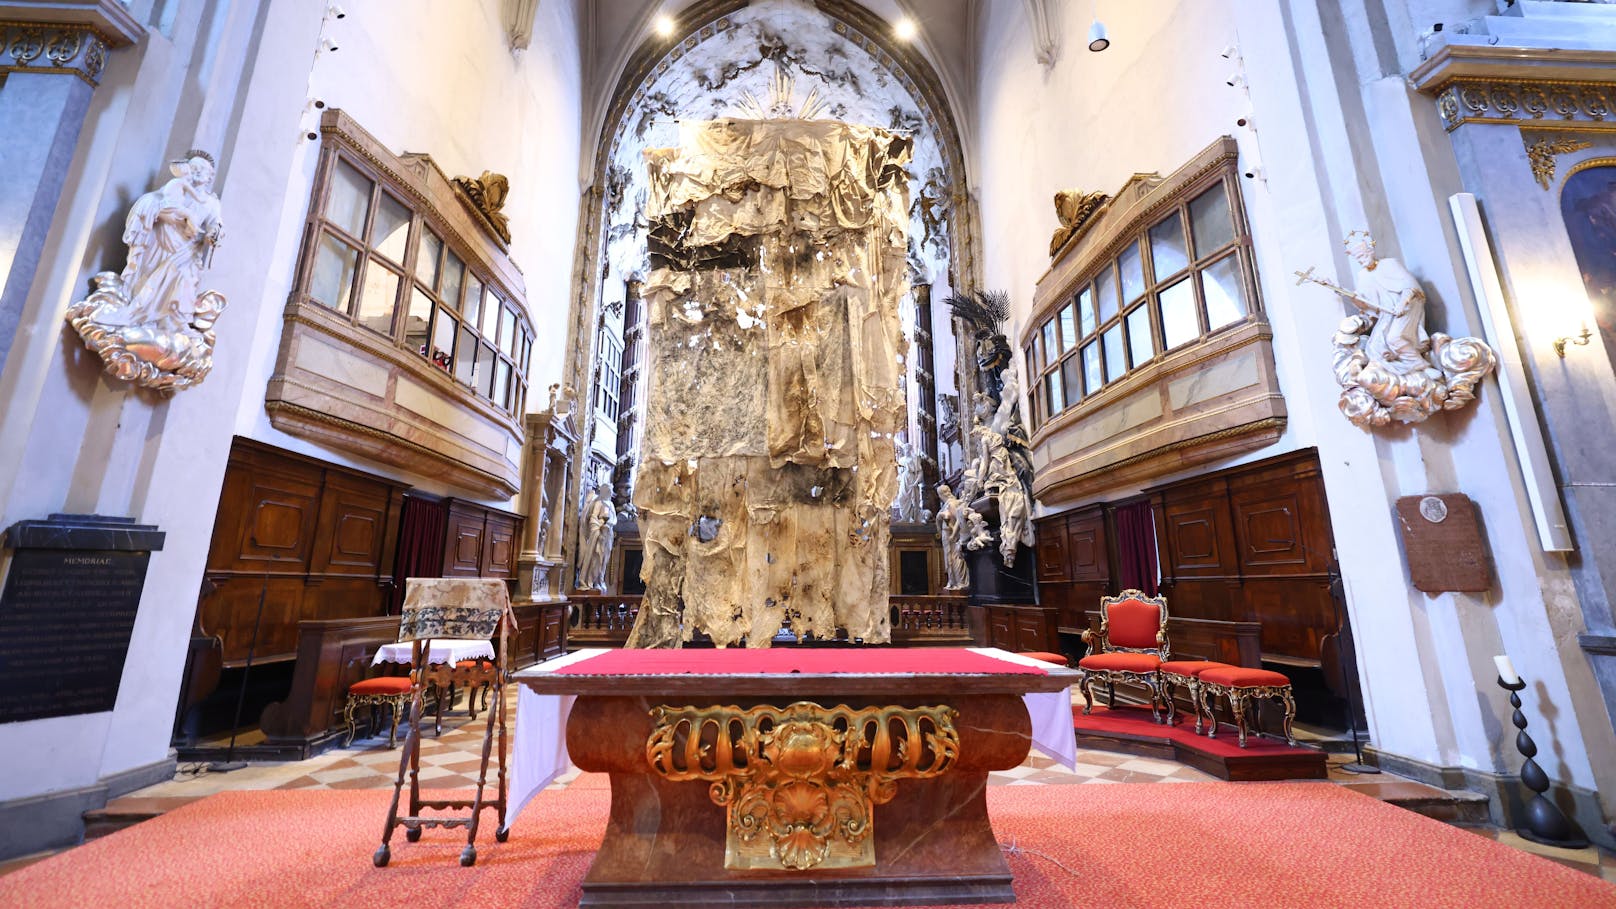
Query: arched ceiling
(615,31)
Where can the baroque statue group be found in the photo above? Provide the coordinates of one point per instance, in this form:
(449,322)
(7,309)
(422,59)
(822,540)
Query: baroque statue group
(997,481)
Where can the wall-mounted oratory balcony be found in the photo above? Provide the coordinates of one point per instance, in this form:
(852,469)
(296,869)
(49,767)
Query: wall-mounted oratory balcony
(407,336)
(1147,349)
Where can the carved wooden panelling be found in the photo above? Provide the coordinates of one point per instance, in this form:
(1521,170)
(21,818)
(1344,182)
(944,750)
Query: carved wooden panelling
(315,539)
(1195,534)
(463,557)
(278,526)
(1051,549)
(1270,534)
(500,558)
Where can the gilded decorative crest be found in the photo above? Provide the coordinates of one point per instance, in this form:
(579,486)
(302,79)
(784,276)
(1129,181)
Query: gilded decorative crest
(800,783)
(486,196)
(1542,154)
(1075,209)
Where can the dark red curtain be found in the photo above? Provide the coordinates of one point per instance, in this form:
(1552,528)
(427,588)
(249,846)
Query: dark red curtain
(1136,547)
(422,524)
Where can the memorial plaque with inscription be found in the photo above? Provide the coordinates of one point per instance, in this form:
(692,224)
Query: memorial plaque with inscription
(1446,548)
(67,612)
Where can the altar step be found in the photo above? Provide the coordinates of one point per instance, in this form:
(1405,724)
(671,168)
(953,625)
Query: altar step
(1132,731)
(129,810)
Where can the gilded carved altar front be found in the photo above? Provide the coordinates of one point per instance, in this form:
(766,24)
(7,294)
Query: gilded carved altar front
(799,784)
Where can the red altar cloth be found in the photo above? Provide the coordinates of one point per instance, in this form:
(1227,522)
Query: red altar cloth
(783,661)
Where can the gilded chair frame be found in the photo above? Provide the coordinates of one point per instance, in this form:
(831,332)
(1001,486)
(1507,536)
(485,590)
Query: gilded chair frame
(1100,642)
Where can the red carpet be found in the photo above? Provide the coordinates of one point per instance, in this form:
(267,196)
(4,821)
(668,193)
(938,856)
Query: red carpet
(1136,721)
(1191,845)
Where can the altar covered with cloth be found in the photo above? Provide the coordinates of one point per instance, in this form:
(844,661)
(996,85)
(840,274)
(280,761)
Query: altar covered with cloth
(822,776)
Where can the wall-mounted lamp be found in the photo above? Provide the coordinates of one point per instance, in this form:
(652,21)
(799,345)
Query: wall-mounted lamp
(664,25)
(1580,339)
(1097,39)
(905,29)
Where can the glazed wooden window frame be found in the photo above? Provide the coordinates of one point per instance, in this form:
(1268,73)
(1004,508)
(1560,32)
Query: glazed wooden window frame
(1056,360)
(503,337)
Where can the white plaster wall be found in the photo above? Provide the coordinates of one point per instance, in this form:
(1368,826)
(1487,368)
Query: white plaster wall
(450,87)
(234,77)
(1342,144)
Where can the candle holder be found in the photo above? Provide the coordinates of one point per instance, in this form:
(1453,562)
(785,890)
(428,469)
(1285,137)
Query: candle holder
(1545,822)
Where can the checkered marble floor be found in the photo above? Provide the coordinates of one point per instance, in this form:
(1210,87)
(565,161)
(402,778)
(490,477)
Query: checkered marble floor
(450,761)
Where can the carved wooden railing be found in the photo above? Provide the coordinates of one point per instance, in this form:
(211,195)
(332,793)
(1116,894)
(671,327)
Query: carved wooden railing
(930,619)
(601,620)
(604,620)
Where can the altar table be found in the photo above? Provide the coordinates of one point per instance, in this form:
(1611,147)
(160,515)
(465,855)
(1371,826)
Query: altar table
(790,777)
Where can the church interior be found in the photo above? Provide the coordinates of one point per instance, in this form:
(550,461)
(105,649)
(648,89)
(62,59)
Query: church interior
(808,452)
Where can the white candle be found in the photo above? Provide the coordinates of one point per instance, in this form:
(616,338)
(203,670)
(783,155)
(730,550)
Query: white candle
(1506,670)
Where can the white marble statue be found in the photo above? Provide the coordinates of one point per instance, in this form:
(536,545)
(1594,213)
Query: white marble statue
(150,324)
(910,506)
(961,528)
(1387,366)
(597,530)
(995,475)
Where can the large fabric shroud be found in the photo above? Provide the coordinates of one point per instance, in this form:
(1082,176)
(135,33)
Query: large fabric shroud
(768,466)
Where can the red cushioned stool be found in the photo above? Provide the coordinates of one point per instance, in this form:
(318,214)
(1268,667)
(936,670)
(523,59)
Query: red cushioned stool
(483,683)
(1130,647)
(1186,673)
(392,690)
(1059,659)
(1241,686)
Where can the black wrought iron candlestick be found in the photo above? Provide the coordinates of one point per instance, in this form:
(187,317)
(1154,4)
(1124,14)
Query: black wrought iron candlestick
(1545,822)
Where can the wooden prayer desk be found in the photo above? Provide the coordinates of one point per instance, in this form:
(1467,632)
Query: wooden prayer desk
(816,777)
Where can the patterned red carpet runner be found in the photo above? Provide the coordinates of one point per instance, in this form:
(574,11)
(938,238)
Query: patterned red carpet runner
(1192,845)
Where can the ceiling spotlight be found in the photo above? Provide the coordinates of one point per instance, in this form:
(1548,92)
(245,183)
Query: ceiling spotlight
(905,29)
(664,25)
(1097,37)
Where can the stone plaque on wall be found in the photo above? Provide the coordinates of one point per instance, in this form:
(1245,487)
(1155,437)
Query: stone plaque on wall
(1443,538)
(67,612)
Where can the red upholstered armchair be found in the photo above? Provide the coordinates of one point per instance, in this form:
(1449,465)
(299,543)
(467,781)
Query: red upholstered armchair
(1130,646)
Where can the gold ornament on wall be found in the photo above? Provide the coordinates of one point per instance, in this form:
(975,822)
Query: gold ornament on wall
(1542,154)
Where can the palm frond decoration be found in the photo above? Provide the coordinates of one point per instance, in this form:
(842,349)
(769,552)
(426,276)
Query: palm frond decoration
(983,310)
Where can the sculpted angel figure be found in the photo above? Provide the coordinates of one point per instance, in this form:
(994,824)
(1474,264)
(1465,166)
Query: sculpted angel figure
(598,529)
(960,528)
(909,504)
(150,323)
(1387,365)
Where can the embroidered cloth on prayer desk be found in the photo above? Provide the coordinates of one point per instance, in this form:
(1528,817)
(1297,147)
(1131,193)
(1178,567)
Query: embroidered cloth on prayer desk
(817,661)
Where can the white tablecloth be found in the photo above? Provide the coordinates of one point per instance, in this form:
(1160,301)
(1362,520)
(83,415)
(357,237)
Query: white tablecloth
(539,744)
(444,650)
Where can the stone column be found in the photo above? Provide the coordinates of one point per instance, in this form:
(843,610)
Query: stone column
(550,439)
(51,59)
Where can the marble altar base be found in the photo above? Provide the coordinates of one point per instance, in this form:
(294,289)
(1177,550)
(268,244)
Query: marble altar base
(665,842)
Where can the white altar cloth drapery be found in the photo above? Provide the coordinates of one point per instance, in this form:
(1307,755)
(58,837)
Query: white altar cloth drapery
(444,650)
(539,745)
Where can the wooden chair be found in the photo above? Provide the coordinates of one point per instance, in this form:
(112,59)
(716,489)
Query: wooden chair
(1130,647)
(451,608)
